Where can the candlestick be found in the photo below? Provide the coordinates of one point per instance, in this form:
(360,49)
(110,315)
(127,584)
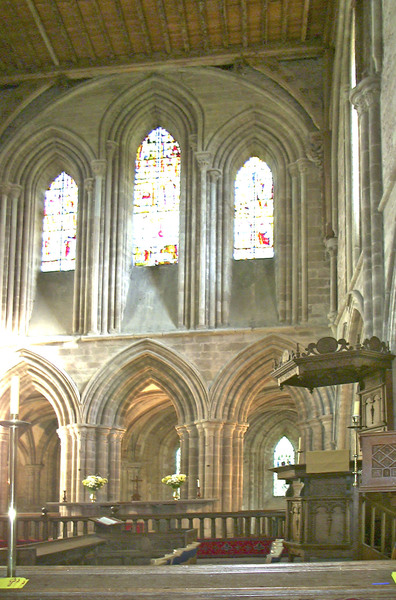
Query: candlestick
(356,408)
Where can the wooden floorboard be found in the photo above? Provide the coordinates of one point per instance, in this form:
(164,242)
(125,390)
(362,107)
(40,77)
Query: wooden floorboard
(360,580)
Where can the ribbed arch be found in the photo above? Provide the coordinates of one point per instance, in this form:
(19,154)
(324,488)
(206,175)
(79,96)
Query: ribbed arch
(252,132)
(249,373)
(37,374)
(151,103)
(50,146)
(107,396)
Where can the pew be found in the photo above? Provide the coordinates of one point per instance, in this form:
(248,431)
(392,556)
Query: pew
(68,551)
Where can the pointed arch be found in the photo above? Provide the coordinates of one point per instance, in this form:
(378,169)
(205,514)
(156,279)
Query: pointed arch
(40,375)
(128,373)
(244,378)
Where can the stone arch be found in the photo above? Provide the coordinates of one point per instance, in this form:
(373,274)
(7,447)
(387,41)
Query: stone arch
(40,375)
(248,376)
(127,374)
(151,103)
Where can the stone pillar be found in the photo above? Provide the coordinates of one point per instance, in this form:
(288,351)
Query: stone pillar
(115,438)
(66,482)
(210,431)
(109,247)
(82,287)
(13,274)
(281,234)
(366,98)
(98,169)
(34,484)
(293,170)
(237,452)
(303,165)
(331,247)
(203,160)
(228,485)
(215,252)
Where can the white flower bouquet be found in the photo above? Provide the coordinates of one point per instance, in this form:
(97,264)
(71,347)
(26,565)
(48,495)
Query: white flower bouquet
(175,480)
(94,482)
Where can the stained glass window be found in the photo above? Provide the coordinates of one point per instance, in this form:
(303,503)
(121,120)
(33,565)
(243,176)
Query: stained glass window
(156,200)
(60,225)
(254,211)
(283,455)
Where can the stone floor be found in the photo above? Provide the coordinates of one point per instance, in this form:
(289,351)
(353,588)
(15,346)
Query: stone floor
(360,580)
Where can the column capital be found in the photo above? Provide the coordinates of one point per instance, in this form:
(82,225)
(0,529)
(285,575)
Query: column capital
(293,169)
(193,141)
(303,165)
(204,160)
(88,184)
(215,174)
(4,189)
(366,94)
(99,167)
(111,147)
(15,191)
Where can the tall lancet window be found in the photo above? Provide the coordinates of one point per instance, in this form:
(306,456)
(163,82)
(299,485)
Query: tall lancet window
(254,211)
(60,225)
(156,200)
(283,455)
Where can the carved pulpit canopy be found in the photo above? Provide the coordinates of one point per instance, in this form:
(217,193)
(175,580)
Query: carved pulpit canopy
(332,362)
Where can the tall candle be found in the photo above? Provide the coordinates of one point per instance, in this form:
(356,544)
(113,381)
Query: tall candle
(14,395)
(198,483)
(299,444)
(356,408)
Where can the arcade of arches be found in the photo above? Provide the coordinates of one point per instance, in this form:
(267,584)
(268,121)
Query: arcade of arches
(120,365)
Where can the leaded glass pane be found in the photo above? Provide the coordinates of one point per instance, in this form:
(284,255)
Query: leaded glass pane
(156,200)
(254,211)
(60,225)
(283,455)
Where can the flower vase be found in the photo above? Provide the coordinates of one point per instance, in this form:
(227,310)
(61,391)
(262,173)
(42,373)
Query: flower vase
(92,497)
(176,493)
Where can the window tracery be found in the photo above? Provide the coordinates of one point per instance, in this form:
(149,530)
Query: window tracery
(156,200)
(60,225)
(254,211)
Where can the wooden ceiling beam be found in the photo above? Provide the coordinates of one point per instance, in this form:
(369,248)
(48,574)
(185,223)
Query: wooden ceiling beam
(264,21)
(65,35)
(183,24)
(204,25)
(103,29)
(125,32)
(285,19)
(143,25)
(304,20)
(164,26)
(224,26)
(270,51)
(84,31)
(244,24)
(43,33)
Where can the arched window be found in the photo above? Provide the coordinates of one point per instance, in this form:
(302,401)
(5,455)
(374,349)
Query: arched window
(254,211)
(60,225)
(283,455)
(156,200)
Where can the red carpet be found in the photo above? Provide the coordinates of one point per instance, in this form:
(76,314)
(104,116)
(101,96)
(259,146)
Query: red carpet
(234,547)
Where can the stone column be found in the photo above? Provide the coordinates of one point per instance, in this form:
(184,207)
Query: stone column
(109,246)
(115,438)
(203,160)
(13,275)
(210,431)
(228,480)
(98,169)
(237,452)
(366,98)
(82,287)
(331,247)
(215,252)
(4,191)
(303,165)
(34,484)
(293,170)
(67,482)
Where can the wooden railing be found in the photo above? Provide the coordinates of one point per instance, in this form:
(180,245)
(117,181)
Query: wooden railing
(219,525)
(378,529)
